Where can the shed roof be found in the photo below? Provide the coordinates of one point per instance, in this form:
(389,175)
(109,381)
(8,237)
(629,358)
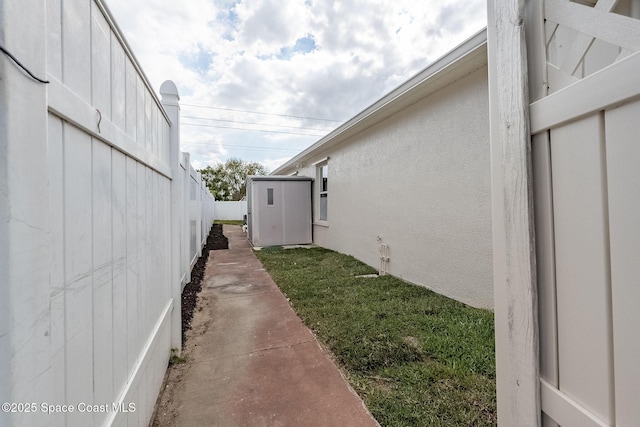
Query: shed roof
(278,178)
(454,65)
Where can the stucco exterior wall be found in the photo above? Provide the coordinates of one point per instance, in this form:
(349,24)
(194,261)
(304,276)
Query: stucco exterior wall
(420,181)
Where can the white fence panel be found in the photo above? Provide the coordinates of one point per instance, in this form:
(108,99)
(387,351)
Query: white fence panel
(230,210)
(91,246)
(623,158)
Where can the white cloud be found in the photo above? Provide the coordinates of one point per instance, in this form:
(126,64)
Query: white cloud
(243,56)
(267,25)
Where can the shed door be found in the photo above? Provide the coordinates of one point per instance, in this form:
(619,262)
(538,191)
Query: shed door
(268,213)
(586,158)
(297,212)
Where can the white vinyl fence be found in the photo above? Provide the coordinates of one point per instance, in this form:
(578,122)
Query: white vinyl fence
(101,219)
(200,213)
(230,210)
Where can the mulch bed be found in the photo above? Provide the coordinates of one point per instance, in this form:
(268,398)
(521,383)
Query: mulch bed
(216,240)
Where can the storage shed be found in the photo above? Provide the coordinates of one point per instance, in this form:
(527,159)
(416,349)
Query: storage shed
(279,210)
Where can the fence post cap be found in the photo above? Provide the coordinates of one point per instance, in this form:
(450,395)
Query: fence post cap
(169,91)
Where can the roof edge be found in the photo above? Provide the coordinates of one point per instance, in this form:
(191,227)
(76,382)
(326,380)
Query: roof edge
(435,76)
(271,178)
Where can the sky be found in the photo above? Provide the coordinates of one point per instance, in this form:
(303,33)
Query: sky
(262,80)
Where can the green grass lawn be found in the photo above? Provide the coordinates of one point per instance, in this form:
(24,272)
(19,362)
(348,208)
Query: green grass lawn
(415,357)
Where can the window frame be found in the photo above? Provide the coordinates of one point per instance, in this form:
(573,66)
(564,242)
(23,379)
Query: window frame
(322,175)
(270,197)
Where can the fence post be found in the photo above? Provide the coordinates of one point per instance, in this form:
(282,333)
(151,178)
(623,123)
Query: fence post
(514,268)
(184,223)
(170,102)
(186,238)
(199,215)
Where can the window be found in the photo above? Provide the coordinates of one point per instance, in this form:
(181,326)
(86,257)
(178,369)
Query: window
(323,173)
(269,196)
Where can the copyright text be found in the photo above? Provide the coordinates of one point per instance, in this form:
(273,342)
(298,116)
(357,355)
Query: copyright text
(48,408)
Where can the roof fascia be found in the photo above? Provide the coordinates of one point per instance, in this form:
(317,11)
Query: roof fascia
(455,64)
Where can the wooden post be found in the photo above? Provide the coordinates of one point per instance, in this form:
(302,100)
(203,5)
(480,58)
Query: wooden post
(170,102)
(516,319)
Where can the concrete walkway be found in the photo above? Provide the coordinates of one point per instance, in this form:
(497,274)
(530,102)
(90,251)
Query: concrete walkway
(255,363)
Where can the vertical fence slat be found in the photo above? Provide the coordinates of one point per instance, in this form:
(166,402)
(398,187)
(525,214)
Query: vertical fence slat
(140,258)
(132,262)
(118,84)
(147,141)
(545,256)
(102,305)
(131,99)
(545,263)
(119,255)
(623,160)
(101,63)
(78,268)
(146,308)
(57,284)
(582,264)
(76,48)
(140,129)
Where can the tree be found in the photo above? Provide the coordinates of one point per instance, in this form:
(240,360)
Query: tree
(228,180)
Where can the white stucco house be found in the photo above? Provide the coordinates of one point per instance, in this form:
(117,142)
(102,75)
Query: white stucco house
(412,171)
(505,175)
